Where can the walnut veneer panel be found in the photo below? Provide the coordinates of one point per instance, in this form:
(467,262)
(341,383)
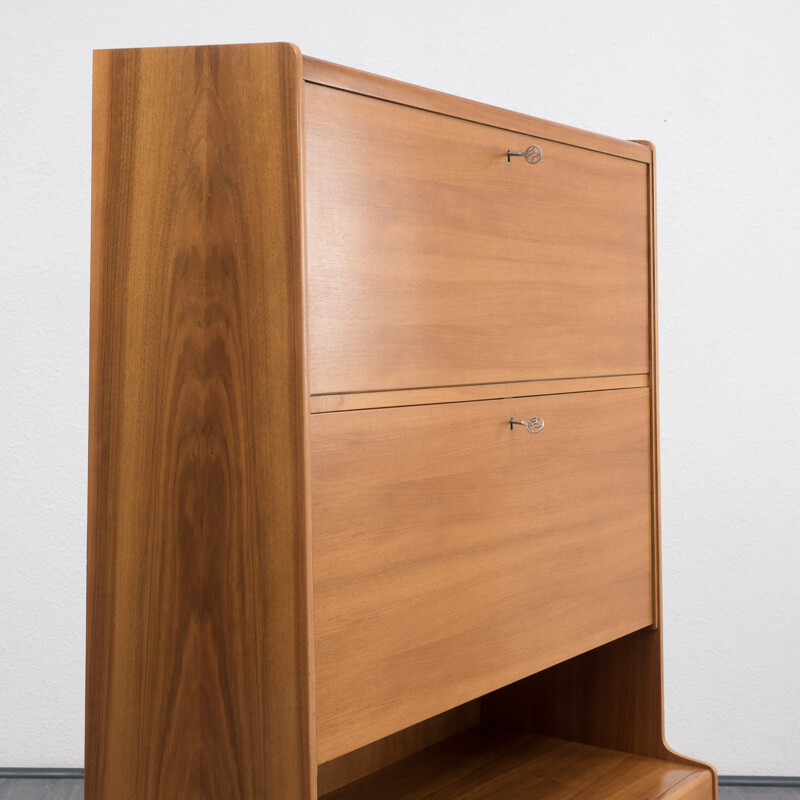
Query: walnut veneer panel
(435,262)
(376,755)
(453,556)
(198,644)
(355,80)
(480,766)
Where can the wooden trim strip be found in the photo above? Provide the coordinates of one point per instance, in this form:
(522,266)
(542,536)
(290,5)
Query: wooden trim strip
(654,441)
(694,786)
(352,80)
(460,394)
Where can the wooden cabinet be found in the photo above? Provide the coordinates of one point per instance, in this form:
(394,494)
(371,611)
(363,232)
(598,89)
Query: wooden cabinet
(327,557)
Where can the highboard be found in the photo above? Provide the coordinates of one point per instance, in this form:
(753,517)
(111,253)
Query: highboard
(373,490)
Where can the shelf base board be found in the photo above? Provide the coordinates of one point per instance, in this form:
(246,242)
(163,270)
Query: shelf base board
(484,765)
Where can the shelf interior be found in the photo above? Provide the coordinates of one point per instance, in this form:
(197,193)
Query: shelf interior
(481,764)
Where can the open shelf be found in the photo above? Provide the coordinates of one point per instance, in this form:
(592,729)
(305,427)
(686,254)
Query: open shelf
(485,765)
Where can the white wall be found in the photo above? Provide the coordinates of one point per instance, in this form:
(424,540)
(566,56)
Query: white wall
(716,85)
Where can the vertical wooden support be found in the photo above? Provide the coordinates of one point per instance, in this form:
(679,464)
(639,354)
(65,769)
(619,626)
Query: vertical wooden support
(199,650)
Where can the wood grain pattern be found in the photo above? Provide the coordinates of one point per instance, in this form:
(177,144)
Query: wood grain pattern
(365,83)
(453,556)
(609,697)
(702,786)
(199,652)
(461,394)
(435,262)
(379,754)
(478,766)
(612,696)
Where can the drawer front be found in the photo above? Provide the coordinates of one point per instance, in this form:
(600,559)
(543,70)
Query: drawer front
(433,261)
(453,555)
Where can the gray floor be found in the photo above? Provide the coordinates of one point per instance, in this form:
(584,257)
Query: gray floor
(738,793)
(41,789)
(35,789)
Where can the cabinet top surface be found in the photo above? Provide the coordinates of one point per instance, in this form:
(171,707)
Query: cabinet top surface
(353,80)
(346,78)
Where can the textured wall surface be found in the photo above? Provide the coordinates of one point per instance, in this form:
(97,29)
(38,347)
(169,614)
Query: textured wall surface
(716,85)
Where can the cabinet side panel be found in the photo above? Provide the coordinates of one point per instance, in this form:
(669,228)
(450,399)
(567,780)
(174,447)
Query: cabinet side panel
(609,697)
(198,645)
